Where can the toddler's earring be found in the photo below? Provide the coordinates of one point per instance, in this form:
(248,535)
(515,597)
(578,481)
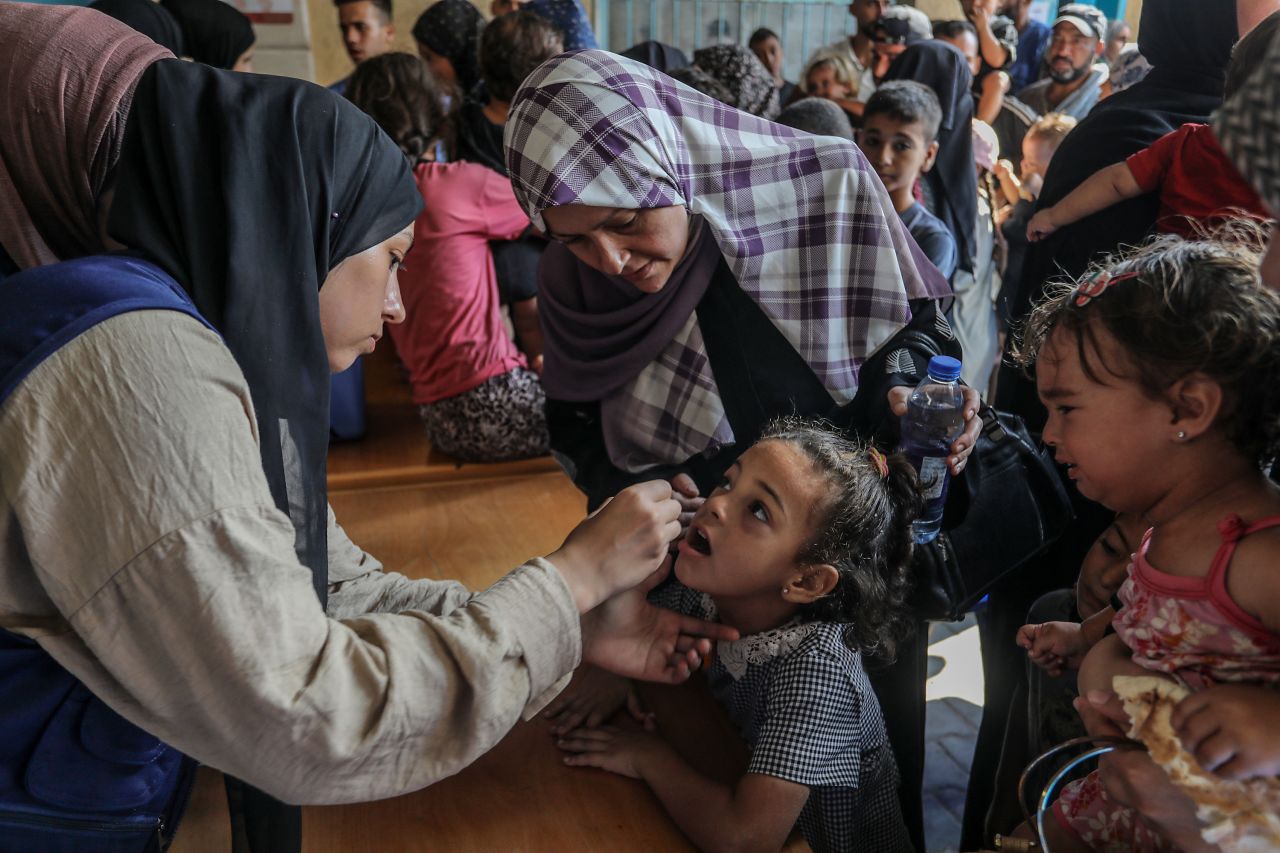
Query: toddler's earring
(1182,435)
(784,590)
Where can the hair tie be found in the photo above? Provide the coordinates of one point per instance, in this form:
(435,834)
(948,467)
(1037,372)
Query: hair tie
(878,460)
(1094,286)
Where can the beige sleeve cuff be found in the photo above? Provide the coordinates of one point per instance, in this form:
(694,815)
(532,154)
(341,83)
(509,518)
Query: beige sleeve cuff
(535,603)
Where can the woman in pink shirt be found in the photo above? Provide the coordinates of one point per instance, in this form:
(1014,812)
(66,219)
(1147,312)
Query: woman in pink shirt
(478,397)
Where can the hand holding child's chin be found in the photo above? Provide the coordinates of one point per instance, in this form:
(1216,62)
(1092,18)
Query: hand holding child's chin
(631,637)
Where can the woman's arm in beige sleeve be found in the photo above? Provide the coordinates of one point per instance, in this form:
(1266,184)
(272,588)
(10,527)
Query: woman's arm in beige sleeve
(358,584)
(175,595)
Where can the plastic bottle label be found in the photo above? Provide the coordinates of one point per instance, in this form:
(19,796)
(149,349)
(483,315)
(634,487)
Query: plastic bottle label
(933,476)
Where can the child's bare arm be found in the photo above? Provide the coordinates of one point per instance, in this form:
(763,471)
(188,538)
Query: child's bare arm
(1010,185)
(994,87)
(1253,582)
(1094,628)
(995,53)
(1108,658)
(757,813)
(1100,190)
(1053,646)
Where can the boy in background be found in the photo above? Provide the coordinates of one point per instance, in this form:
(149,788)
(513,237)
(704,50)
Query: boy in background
(767,47)
(367,31)
(899,137)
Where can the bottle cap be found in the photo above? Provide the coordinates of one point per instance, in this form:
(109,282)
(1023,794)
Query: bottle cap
(944,368)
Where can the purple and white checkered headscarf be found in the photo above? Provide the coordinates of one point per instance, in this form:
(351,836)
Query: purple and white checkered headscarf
(804,224)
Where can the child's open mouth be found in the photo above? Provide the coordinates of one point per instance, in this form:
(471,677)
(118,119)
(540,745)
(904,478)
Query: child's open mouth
(698,541)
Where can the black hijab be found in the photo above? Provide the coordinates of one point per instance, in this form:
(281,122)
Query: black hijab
(658,56)
(1188,43)
(248,190)
(452,29)
(150,19)
(216,33)
(480,140)
(952,183)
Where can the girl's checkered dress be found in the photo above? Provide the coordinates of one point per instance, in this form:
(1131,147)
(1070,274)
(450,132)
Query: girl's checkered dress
(802,702)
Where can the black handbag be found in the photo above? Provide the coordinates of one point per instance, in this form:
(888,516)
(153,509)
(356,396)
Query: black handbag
(1007,507)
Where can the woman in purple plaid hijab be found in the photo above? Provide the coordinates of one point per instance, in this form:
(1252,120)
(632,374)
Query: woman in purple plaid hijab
(803,225)
(711,270)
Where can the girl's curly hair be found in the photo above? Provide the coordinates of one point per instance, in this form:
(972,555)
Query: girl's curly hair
(864,532)
(398,92)
(1188,306)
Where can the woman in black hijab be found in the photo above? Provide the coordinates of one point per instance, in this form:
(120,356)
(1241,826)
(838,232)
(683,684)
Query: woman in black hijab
(251,197)
(951,186)
(448,36)
(251,239)
(149,18)
(242,223)
(215,33)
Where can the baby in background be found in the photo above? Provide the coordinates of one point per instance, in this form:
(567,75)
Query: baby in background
(829,76)
(1059,646)
(1016,199)
(1159,371)
(1197,182)
(1038,147)
(804,547)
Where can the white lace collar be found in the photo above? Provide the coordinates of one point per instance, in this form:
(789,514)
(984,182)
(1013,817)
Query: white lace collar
(757,648)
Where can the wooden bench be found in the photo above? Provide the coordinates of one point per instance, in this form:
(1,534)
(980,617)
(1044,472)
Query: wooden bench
(395,450)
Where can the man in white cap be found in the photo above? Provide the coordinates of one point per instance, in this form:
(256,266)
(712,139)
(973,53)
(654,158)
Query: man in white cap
(1074,82)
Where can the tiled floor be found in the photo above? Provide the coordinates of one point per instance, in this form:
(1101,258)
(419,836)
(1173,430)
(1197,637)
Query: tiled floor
(954,693)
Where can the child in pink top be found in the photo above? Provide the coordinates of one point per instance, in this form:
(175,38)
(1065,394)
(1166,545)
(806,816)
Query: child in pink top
(1160,375)
(478,398)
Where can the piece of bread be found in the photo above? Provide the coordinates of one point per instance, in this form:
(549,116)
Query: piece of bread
(1239,817)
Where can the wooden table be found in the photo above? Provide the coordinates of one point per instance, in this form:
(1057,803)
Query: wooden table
(518,797)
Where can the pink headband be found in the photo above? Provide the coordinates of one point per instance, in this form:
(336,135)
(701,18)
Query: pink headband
(882,464)
(1095,285)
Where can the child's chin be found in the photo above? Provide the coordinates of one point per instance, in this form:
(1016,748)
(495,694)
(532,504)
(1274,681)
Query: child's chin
(685,574)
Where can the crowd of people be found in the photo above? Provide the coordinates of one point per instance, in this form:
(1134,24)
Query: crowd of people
(708,291)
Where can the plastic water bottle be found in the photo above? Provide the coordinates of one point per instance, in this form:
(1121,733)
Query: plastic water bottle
(934,419)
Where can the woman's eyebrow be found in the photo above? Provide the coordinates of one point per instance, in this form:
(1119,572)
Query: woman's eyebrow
(557,235)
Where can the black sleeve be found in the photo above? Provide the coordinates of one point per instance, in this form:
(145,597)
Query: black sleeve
(577,441)
(904,360)
(515,265)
